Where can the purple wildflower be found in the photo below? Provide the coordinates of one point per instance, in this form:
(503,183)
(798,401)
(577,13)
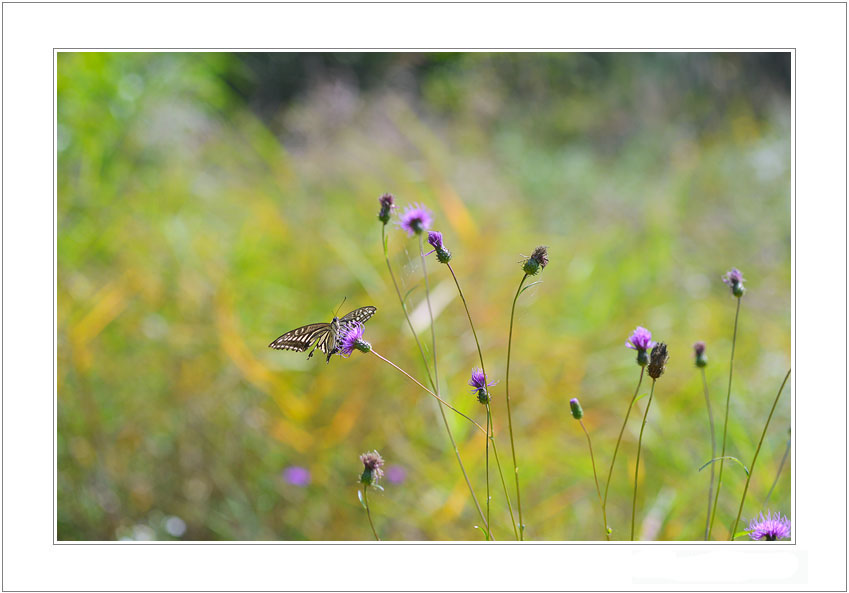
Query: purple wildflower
(297,476)
(734,279)
(387,203)
(416,218)
(479,385)
(577,410)
(442,254)
(770,528)
(372,467)
(396,474)
(351,339)
(640,339)
(699,351)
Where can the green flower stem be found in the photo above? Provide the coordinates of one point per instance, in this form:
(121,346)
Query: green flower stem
(595,475)
(385,242)
(637,470)
(616,450)
(757,451)
(712,451)
(725,426)
(368,512)
(509,415)
(504,486)
(491,432)
(442,401)
(778,473)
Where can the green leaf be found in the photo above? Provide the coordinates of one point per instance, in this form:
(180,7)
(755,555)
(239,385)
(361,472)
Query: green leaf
(409,292)
(377,486)
(739,533)
(745,469)
(485,534)
(360,496)
(529,285)
(640,397)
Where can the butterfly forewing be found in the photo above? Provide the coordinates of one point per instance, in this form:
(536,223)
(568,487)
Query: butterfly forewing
(301,338)
(360,315)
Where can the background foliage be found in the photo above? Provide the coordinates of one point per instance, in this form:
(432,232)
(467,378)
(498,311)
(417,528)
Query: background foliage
(210,202)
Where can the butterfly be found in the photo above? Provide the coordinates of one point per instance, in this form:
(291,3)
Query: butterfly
(324,335)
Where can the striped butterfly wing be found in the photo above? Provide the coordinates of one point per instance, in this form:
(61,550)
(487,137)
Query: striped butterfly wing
(302,338)
(360,315)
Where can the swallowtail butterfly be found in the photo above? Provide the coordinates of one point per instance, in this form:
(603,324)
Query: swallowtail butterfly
(324,335)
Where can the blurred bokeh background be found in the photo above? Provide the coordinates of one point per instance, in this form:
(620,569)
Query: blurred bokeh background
(208,202)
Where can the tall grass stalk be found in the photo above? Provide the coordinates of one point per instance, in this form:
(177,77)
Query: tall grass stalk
(712,451)
(615,451)
(639,447)
(490,427)
(778,473)
(757,451)
(595,475)
(725,425)
(509,415)
(385,242)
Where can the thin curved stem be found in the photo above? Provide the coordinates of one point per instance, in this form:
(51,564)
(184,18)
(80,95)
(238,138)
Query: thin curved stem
(504,485)
(725,425)
(491,426)
(414,380)
(757,451)
(385,241)
(488,432)
(712,452)
(639,447)
(595,475)
(368,512)
(778,473)
(616,450)
(509,415)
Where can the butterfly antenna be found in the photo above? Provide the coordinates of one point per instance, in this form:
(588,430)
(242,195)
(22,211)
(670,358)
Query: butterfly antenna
(340,306)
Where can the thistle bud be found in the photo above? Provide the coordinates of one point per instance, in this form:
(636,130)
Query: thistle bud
(372,468)
(699,351)
(734,279)
(387,203)
(537,261)
(435,240)
(577,411)
(659,358)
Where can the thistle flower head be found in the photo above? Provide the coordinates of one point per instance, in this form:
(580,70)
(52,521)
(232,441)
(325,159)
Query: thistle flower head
(387,203)
(659,358)
(435,240)
(372,468)
(699,351)
(640,341)
(351,338)
(734,279)
(537,261)
(479,385)
(577,410)
(770,528)
(416,219)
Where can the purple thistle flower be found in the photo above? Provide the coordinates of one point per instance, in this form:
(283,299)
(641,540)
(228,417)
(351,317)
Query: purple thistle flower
(479,385)
(416,218)
(699,351)
(640,339)
(372,467)
(734,279)
(351,338)
(435,240)
(770,528)
(297,476)
(387,203)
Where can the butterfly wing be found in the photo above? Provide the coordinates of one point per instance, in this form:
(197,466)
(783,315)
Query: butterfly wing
(360,315)
(302,338)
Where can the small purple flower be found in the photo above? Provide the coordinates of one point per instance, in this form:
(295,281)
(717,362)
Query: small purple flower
(372,467)
(640,339)
(435,240)
(396,474)
(387,203)
(351,338)
(479,385)
(297,476)
(416,218)
(734,279)
(770,528)
(699,351)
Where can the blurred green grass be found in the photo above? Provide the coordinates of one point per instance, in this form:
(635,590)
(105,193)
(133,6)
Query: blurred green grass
(210,202)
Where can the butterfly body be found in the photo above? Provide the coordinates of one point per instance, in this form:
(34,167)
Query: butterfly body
(324,336)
